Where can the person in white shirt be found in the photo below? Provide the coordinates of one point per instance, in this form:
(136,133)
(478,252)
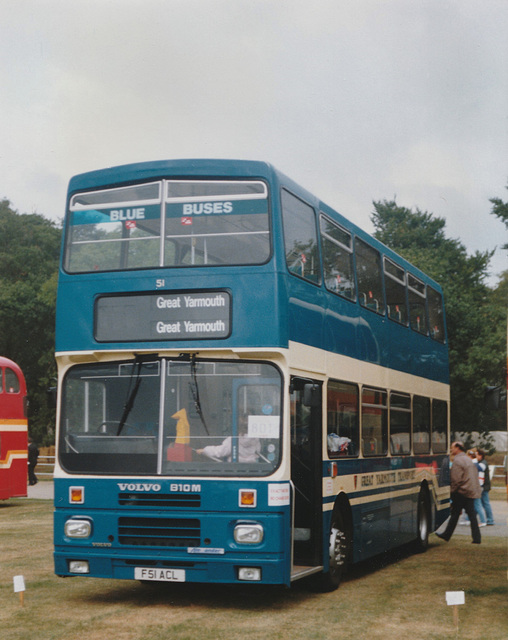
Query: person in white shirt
(249,449)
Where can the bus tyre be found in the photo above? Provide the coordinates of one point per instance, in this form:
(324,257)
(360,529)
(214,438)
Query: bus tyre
(339,552)
(422,522)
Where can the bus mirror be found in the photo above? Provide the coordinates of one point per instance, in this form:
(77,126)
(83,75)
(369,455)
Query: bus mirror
(492,398)
(311,395)
(51,397)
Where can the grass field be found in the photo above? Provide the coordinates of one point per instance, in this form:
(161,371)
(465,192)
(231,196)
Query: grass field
(396,597)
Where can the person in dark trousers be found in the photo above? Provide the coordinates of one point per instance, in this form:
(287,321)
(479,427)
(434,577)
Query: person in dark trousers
(464,489)
(480,455)
(33,456)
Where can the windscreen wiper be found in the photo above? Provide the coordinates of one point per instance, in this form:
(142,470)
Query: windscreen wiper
(195,394)
(131,394)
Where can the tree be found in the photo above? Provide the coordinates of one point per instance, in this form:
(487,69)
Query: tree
(476,353)
(500,209)
(29,254)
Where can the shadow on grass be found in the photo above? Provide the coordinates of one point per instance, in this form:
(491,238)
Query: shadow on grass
(11,504)
(213,596)
(249,597)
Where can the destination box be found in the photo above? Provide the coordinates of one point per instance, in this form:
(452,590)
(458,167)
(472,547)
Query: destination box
(163,316)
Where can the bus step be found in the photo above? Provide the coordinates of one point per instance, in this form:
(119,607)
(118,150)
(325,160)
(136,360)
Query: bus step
(300,571)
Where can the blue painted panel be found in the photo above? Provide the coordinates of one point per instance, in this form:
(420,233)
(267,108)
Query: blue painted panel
(216,555)
(270,306)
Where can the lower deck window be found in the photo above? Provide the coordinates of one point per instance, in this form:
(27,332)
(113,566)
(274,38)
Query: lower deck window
(400,424)
(439,426)
(374,422)
(421,424)
(343,436)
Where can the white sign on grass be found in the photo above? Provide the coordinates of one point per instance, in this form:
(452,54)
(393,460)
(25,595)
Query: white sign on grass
(455,597)
(19,584)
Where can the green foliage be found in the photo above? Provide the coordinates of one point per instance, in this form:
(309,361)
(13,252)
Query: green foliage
(476,315)
(476,320)
(29,253)
(500,209)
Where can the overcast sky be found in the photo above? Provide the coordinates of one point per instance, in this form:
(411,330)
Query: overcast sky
(357,100)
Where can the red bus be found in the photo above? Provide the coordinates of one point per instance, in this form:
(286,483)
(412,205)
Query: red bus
(13,431)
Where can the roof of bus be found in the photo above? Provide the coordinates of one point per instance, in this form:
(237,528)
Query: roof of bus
(141,171)
(159,169)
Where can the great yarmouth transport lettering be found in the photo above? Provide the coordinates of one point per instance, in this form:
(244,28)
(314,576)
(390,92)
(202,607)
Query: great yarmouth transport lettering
(387,478)
(165,316)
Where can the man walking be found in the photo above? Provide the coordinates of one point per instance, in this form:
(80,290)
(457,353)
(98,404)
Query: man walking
(464,488)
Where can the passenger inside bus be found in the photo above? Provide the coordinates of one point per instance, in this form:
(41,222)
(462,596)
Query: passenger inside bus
(248,448)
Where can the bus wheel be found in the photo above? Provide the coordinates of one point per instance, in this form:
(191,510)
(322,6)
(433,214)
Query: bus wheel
(422,522)
(339,551)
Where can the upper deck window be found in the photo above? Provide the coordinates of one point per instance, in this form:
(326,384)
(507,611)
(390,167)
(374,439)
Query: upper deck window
(300,238)
(171,223)
(216,222)
(369,275)
(417,312)
(436,315)
(395,287)
(337,259)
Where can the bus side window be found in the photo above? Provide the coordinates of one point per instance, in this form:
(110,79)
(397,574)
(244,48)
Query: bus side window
(300,238)
(400,424)
(417,311)
(436,321)
(369,276)
(342,420)
(11,381)
(421,425)
(336,246)
(395,287)
(439,426)
(374,422)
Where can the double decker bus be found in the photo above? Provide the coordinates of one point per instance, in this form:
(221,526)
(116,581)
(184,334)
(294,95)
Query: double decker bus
(251,388)
(13,431)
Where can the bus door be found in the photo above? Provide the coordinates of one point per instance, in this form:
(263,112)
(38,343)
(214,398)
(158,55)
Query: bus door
(306,470)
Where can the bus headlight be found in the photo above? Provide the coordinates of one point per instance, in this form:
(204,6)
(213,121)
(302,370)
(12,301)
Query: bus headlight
(75,528)
(252,574)
(79,566)
(248,534)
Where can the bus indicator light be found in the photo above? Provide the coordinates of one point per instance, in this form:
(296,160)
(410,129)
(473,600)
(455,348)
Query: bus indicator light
(77,495)
(247,498)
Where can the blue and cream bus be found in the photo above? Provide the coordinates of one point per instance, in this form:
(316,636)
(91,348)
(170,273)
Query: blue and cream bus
(251,388)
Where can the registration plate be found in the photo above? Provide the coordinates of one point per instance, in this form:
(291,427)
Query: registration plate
(159,575)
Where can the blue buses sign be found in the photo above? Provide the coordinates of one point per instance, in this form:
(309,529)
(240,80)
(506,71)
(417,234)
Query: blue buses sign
(163,316)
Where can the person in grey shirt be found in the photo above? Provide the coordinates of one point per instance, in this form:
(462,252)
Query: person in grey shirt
(464,488)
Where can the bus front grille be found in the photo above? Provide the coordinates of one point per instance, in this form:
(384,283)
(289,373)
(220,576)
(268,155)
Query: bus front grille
(159,532)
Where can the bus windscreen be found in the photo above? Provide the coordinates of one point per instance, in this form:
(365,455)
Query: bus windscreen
(161,417)
(172,223)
